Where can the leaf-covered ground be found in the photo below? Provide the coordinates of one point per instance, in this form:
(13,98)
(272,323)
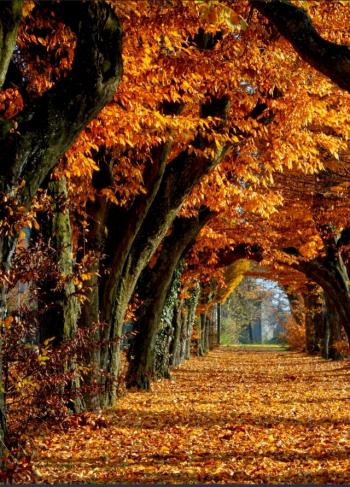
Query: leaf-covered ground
(231,417)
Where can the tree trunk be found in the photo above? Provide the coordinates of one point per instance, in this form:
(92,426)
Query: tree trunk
(330,273)
(334,327)
(57,299)
(204,338)
(165,337)
(196,336)
(212,331)
(183,334)
(218,324)
(206,346)
(297,307)
(7,247)
(10,17)
(115,242)
(179,177)
(192,306)
(250,333)
(324,342)
(314,316)
(153,295)
(49,125)
(174,349)
(162,356)
(323,324)
(59,320)
(184,325)
(202,331)
(97,213)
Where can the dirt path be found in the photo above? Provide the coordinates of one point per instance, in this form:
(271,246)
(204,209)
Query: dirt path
(230,417)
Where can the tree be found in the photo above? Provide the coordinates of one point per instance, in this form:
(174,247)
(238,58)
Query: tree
(215,109)
(309,232)
(37,134)
(294,24)
(157,283)
(173,144)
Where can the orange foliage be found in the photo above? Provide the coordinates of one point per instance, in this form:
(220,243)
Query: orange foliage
(294,335)
(262,193)
(342,347)
(45,50)
(11,103)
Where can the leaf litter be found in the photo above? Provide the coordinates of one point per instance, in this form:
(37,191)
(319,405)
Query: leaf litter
(229,417)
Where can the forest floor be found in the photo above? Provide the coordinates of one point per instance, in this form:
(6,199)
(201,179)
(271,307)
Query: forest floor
(234,416)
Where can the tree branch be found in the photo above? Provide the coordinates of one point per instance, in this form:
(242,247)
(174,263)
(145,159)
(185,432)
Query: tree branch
(47,127)
(293,23)
(10,16)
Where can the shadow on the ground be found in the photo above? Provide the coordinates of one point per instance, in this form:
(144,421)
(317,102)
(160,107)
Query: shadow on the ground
(240,437)
(189,469)
(162,419)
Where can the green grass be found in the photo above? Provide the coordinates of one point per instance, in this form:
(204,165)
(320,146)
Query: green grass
(269,345)
(261,346)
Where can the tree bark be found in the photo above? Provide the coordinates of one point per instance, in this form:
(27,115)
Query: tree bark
(10,17)
(165,338)
(334,327)
(325,337)
(153,295)
(57,299)
(192,306)
(183,334)
(196,334)
(218,324)
(314,318)
(203,345)
(174,349)
(204,334)
(162,354)
(97,214)
(62,307)
(212,331)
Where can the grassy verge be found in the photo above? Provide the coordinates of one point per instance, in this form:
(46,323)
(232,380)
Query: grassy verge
(258,346)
